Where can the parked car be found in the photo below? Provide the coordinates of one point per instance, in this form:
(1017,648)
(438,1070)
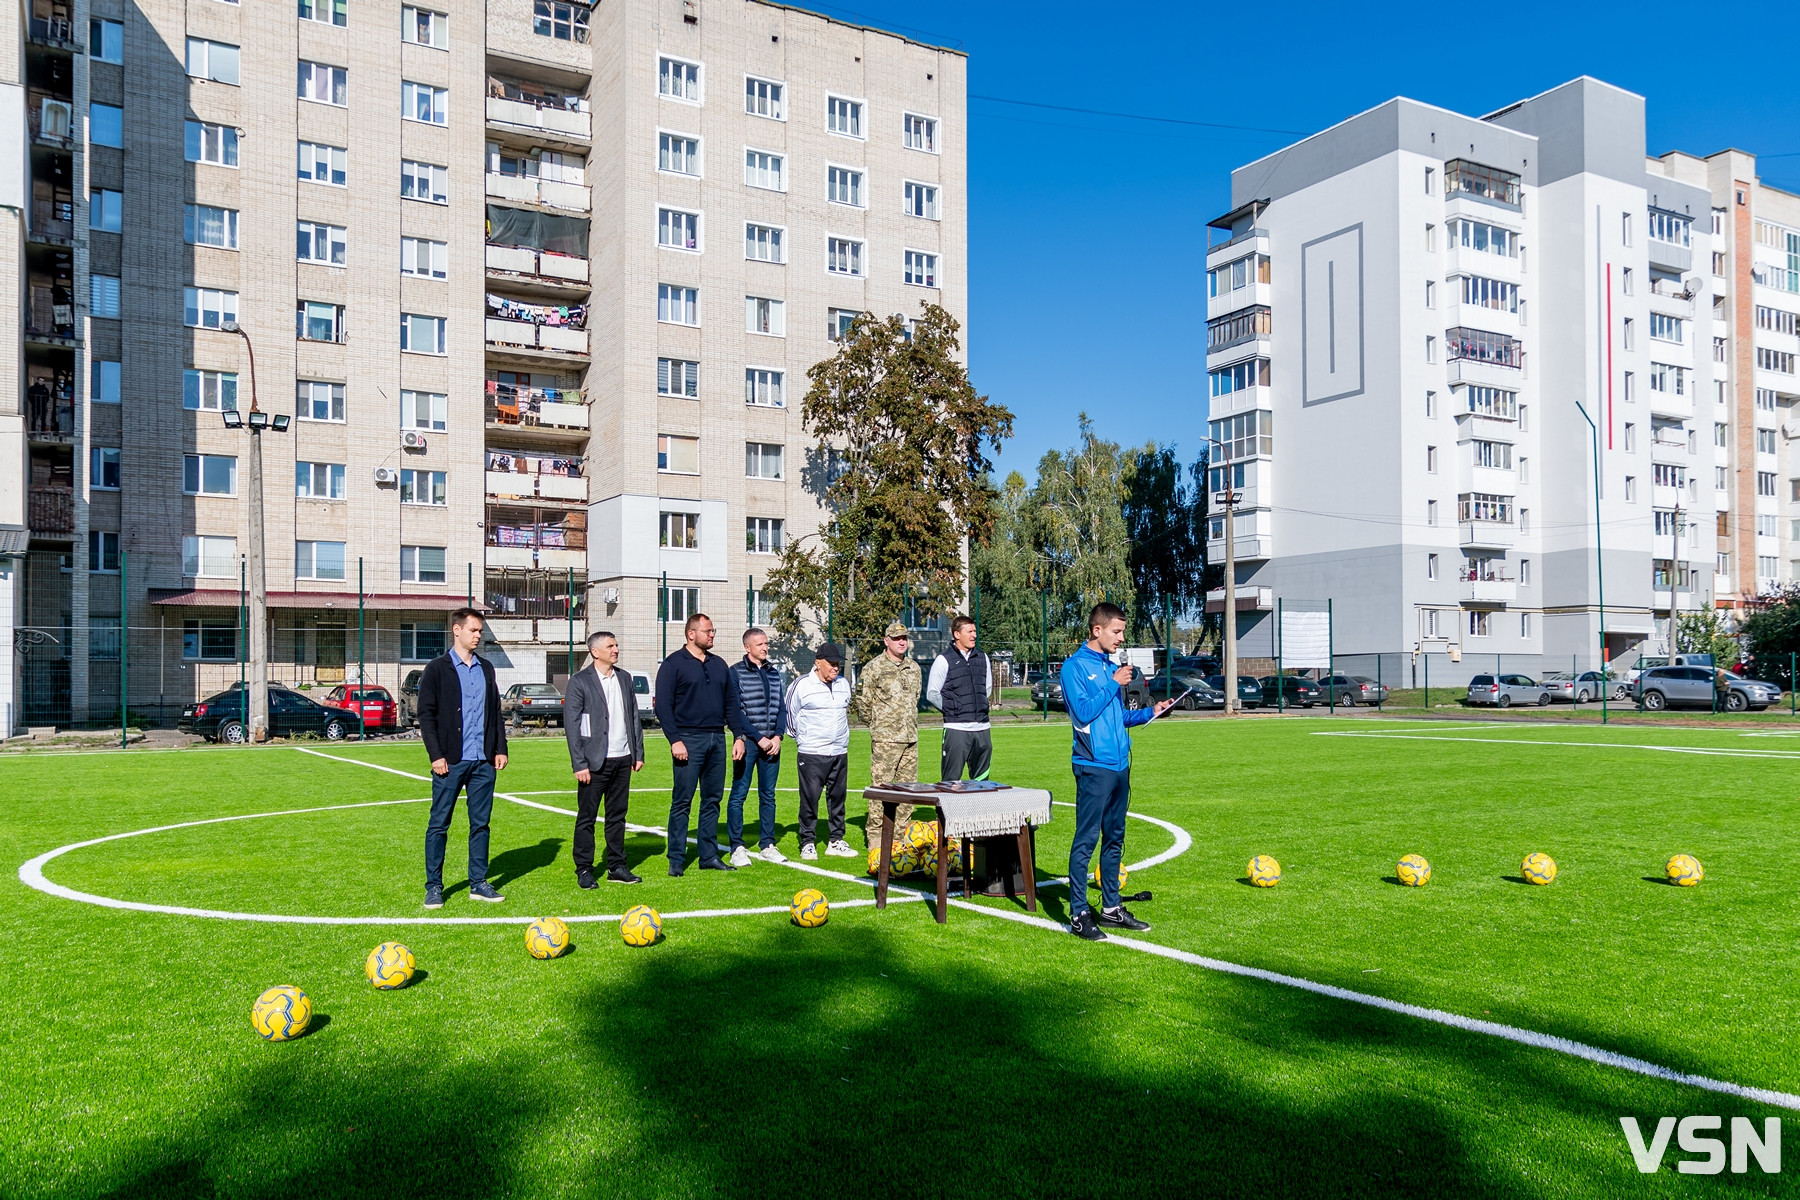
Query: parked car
(1693,687)
(1249,692)
(1198,664)
(376,705)
(1199,693)
(1137,692)
(409,699)
(221,718)
(1586,687)
(1351,690)
(646,699)
(1504,691)
(1290,690)
(539,702)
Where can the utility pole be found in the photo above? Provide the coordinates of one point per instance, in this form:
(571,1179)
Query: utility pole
(258,606)
(1230,498)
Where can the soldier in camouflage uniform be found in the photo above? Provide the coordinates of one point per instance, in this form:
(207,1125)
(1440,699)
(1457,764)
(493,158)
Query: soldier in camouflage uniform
(887,700)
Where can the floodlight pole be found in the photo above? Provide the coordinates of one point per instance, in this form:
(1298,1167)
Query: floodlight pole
(1229,665)
(1600,565)
(258,616)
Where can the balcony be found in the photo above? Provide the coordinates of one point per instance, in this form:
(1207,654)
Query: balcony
(51,511)
(1666,448)
(1476,587)
(56,32)
(523,335)
(54,426)
(1488,535)
(516,542)
(521,476)
(553,118)
(52,222)
(1249,598)
(1670,256)
(537,409)
(563,270)
(53,122)
(577,197)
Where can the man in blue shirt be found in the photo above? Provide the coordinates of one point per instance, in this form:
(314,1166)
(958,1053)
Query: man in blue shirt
(465,737)
(1101,760)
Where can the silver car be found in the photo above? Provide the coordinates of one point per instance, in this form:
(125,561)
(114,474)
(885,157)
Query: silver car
(1693,687)
(1504,691)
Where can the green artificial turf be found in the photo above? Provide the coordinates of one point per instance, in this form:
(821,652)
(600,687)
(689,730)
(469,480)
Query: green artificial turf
(883,1054)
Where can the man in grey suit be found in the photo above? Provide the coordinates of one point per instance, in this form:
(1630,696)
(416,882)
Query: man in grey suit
(606,744)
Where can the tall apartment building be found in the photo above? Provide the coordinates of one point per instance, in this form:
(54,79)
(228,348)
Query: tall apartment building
(538,337)
(1409,313)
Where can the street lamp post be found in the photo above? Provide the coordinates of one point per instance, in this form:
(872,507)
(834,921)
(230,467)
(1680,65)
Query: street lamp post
(1229,665)
(256,423)
(1600,565)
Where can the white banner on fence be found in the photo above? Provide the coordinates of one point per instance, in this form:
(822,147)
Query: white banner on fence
(1305,640)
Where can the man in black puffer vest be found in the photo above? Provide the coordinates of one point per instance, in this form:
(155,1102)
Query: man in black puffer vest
(757,684)
(961,681)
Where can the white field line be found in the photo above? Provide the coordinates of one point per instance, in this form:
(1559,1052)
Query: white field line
(1716,751)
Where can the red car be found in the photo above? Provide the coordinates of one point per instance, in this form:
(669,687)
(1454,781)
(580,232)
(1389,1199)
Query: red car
(376,704)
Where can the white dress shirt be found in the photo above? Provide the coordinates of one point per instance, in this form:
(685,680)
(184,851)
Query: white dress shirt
(618,741)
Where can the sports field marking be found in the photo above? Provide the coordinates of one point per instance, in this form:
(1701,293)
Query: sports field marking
(1715,751)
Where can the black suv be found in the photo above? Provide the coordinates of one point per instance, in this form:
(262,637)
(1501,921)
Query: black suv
(1137,692)
(221,718)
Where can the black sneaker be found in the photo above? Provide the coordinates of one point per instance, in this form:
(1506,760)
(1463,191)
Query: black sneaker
(623,875)
(585,880)
(434,895)
(716,864)
(676,870)
(485,891)
(1085,927)
(1121,918)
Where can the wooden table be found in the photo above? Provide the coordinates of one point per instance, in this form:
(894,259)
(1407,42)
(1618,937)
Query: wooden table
(946,804)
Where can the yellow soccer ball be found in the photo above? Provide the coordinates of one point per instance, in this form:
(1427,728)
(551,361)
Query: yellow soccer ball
(905,862)
(1263,871)
(1684,870)
(546,937)
(1538,868)
(926,859)
(389,966)
(281,1013)
(810,908)
(954,851)
(641,926)
(1123,875)
(1413,870)
(920,836)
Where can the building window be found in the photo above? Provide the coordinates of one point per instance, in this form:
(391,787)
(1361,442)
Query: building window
(318,560)
(1237,274)
(315,400)
(204,225)
(1630,387)
(1252,372)
(1629,333)
(210,391)
(1524,624)
(678,377)
(316,321)
(1490,293)
(424,181)
(1669,227)
(1484,506)
(844,116)
(323,164)
(323,244)
(1479,345)
(564,22)
(216,61)
(103,551)
(206,308)
(319,481)
(1668,379)
(1524,468)
(762,460)
(426,259)
(1478,622)
(762,315)
(324,84)
(1430,349)
(106,125)
(420,643)
(1779,361)
(1631,489)
(1482,237)
(1625,281)
(1765,483)
(678,153)
(764,170)
(677,305)
(678,603)
(422,487)
(422,102)
(763,98)
(1431,459)
(921,200)
(1431,512)
(208,143)
(103,295)
(420,334)
(103,381)
(1431,566)
(1246,435)
(106,210)
(762,535)
(763,243)
(208,475)
(106,41)
(1767,525)
(1630,437)
(763,387)
(680,531)
(1430,293)
(103,469)
(1665,328)
(678,80)
(213,557)
(1718,264)
(1765,441)
(677,455)
(843,256)
(429,411)
(838,322)
(677,230)
(920,133)
(421,564)
(422,27)
(209,641)
(326,12)
(844,186)
(921,268)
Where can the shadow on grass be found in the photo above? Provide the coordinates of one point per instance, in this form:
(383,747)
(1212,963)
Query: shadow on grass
(520,861)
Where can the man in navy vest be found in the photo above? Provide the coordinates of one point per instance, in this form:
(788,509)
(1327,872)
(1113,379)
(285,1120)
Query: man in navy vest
(757,683)
(961,681)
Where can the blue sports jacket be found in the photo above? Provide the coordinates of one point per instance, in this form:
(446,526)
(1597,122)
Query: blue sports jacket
(1097,711)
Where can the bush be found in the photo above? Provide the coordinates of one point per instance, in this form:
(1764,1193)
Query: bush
(1771,635)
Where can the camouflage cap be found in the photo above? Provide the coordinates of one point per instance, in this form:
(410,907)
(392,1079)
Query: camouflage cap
(895,630)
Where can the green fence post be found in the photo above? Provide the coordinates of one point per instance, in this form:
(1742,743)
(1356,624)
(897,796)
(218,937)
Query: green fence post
(662,612)
(1791,658)
(1044,625)
(243,641)
(1168,647)
(1426,655)
(124,644)
(471,585)
(361,724)
(1378,685)
(830,614)
(1330,660)
(1280,687)
(749,599)
(1574,682)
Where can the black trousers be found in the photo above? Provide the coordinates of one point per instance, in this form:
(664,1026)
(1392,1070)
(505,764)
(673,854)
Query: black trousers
(613,782)
(827,773)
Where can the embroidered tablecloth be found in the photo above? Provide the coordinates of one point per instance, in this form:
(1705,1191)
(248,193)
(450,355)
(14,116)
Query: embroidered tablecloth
(979,814)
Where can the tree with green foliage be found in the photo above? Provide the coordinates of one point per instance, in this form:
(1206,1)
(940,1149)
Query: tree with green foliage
(1771,635)
(1164,511)
(902,472)
(1003,567)
(1703,632)
(1077,519)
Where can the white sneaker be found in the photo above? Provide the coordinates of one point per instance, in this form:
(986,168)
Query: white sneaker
(840,849)
(772,855)
(740,857)
(809,852)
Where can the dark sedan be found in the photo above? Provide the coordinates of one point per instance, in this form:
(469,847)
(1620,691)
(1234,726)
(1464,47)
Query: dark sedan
(1249,692)
(1199,694)
(539,702)
(1137,692)
(1290,691)
(221,718)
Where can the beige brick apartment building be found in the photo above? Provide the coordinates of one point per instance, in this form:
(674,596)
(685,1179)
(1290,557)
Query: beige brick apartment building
(535,286)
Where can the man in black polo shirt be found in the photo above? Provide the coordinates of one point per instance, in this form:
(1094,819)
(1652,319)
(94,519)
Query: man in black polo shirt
(695,702)
(960,682)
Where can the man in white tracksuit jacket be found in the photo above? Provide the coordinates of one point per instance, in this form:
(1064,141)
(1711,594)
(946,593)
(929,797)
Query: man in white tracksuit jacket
(818,719)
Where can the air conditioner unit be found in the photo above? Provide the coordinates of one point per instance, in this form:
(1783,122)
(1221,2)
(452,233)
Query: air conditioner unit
(1790,429)
(612,595)
(386,475)
(412,439)
(58,119)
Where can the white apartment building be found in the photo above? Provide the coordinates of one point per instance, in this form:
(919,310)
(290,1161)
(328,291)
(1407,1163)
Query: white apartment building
(1409,314)
(537,338)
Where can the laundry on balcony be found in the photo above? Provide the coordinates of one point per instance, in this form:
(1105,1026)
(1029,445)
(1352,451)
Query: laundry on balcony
(568,316)
(537,231)
(531,464)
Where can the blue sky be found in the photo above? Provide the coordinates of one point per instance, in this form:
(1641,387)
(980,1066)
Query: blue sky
(1088,234)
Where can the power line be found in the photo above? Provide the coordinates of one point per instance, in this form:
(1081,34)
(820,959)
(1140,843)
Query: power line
(1097,112)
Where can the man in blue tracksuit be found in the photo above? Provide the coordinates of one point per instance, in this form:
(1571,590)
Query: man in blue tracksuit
(1101,760)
